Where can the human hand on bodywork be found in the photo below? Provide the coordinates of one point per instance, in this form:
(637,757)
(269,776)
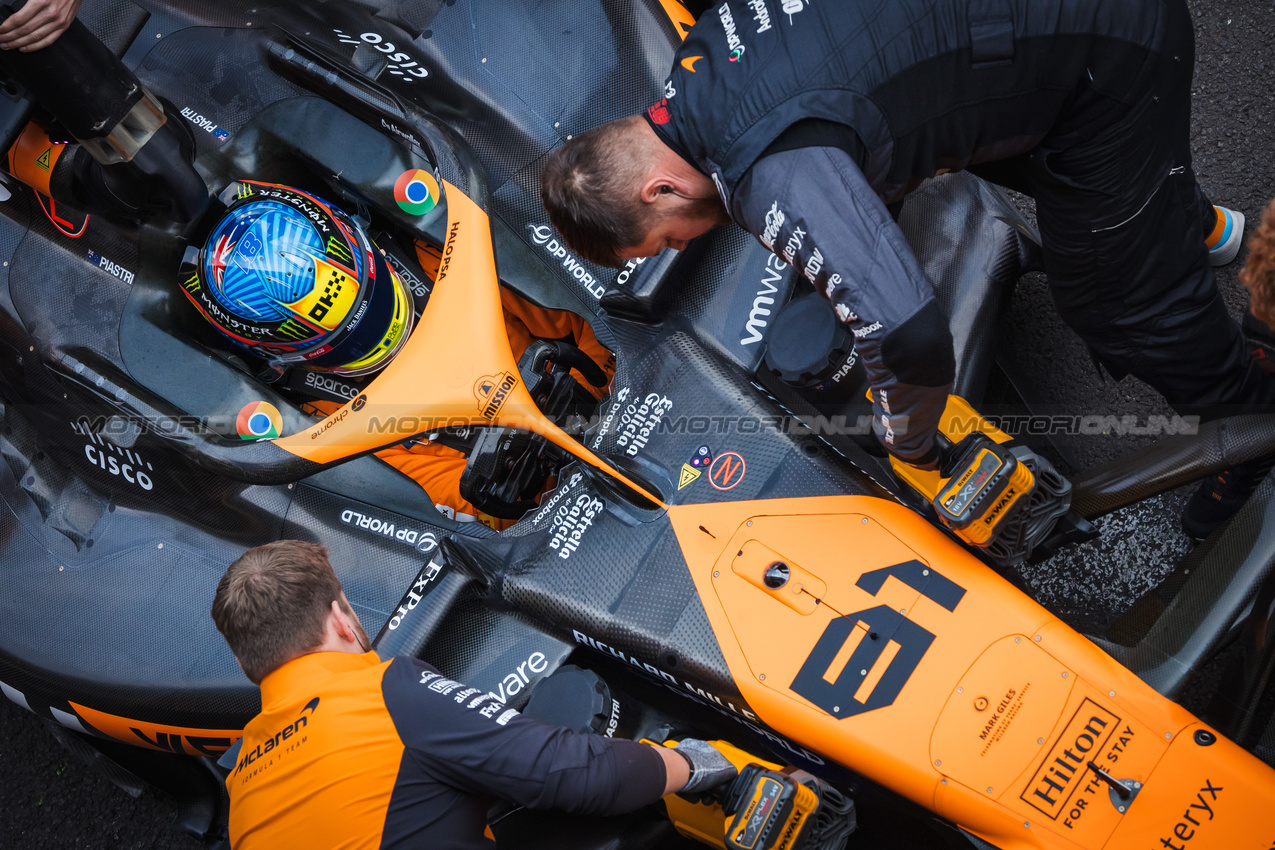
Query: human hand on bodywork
(37,24)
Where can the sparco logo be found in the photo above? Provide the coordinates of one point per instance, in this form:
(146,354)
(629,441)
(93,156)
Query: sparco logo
(758,319)
(321,382)
(543,236)
(419,287)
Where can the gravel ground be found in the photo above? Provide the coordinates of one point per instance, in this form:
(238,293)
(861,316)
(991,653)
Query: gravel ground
(48,799)
(1233,140)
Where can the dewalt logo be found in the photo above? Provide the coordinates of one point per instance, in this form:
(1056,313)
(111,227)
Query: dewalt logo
(996,510)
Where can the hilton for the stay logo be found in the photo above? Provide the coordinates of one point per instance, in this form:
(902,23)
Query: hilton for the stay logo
(491,391)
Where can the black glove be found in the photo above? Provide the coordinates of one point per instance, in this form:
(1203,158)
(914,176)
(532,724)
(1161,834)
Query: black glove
(930,460)
(709,768)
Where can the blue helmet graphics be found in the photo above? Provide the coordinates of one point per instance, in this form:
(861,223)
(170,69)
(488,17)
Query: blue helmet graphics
(294,279)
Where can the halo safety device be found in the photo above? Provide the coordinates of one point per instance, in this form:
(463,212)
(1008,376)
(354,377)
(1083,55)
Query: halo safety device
(297,281)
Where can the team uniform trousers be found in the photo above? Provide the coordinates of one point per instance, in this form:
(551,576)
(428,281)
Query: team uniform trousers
(1123,223)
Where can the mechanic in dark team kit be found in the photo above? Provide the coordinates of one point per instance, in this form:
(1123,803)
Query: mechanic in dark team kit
(806,125)
(354,752)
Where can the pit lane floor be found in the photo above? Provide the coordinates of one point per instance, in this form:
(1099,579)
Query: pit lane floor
(48,799)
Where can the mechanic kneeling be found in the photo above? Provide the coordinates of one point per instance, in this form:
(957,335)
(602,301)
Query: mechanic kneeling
(353,751)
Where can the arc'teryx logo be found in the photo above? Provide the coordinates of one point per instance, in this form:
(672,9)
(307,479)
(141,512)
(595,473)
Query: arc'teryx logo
(278,739)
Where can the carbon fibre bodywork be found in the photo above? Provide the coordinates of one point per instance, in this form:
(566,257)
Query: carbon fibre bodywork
(125,494)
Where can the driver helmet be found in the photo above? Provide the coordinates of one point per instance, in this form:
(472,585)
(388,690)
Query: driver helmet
(296,280)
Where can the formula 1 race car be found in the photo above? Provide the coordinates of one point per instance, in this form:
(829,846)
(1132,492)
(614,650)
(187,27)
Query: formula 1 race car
(720,551)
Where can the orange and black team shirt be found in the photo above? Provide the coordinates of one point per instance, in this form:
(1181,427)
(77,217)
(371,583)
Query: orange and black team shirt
(350,751)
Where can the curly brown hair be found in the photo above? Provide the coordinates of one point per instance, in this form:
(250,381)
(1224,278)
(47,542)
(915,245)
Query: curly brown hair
(1258,273)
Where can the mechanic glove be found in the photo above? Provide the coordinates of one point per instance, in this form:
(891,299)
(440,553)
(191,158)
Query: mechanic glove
(929,460)
(709,768)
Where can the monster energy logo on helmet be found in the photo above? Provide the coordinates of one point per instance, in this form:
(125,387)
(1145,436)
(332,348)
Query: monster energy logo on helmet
(295,280)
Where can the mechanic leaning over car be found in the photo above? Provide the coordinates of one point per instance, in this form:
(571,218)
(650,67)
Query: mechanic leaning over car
(811,126)
(353,751)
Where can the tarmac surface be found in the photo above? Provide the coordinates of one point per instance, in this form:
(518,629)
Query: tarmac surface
(49,799)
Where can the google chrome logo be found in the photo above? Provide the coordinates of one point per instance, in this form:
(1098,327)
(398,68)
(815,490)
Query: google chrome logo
(416,191)
(259,420)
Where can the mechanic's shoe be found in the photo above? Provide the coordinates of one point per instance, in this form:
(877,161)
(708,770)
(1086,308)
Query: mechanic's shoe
(1218,498)
(1227,236)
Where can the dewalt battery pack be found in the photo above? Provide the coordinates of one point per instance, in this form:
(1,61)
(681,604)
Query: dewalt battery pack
(770,809)
(766,807)
(985,482)
(982,480)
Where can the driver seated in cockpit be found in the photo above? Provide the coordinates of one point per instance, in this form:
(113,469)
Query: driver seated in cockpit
(299,283)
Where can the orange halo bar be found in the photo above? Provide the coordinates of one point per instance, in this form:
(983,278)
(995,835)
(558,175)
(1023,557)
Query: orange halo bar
(457,369)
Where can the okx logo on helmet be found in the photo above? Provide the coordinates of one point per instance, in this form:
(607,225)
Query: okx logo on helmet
(296,280)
